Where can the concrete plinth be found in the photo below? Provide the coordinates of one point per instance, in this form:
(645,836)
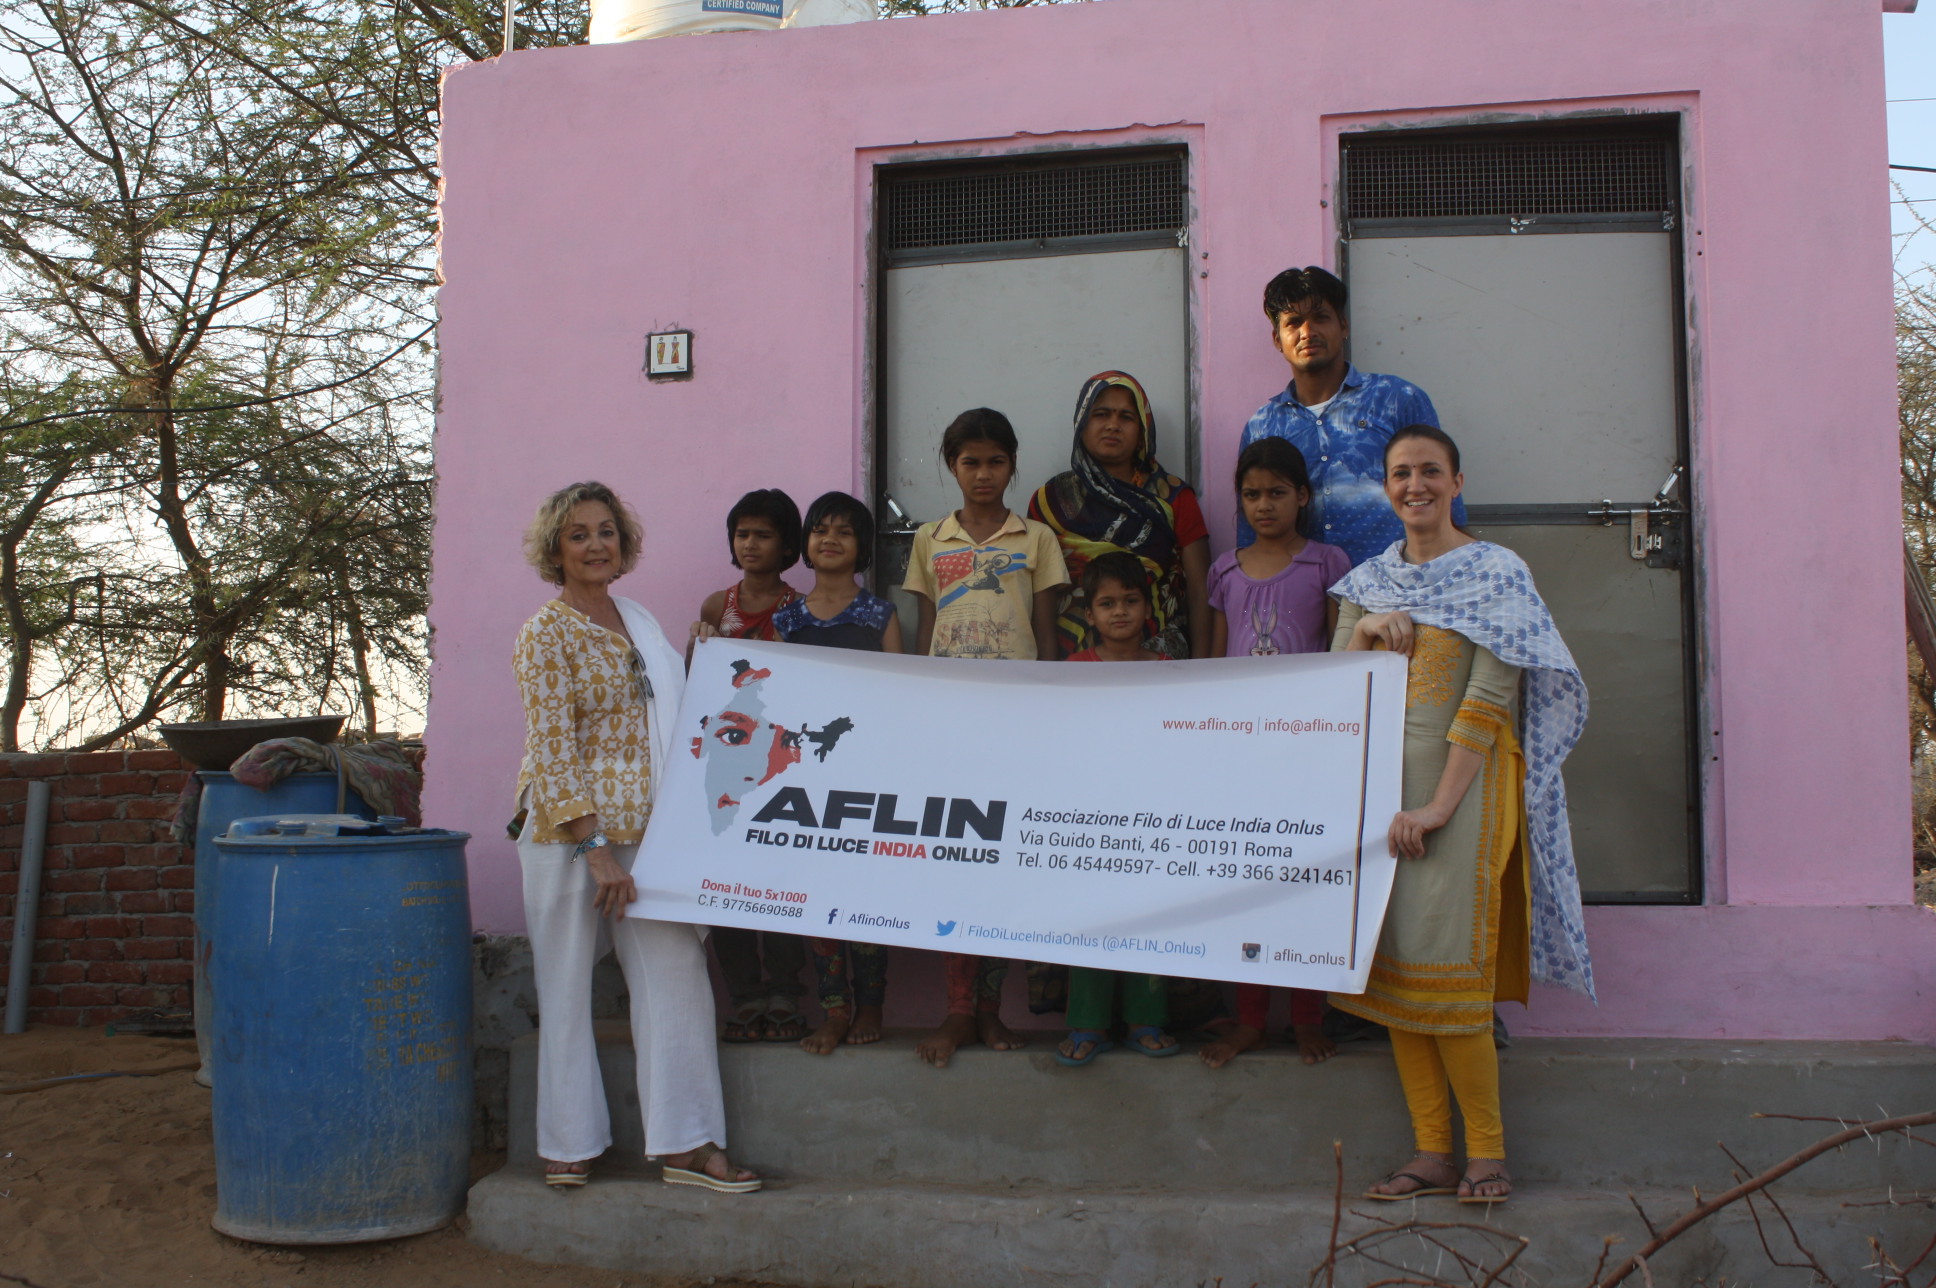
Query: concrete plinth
(1138,1171)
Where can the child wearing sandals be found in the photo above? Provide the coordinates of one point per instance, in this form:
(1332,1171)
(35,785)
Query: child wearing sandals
(839,613)
(986,581)
(1268,598)
(761,969)
(1116,591)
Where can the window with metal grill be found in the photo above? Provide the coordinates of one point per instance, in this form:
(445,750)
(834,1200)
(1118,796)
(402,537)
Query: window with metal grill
(1004,209)
(1520,183)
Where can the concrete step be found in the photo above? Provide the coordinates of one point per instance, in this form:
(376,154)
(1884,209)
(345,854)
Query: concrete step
(1586,1113)
(822,1234)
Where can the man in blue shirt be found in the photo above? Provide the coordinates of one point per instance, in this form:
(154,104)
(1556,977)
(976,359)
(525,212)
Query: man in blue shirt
(1338,416)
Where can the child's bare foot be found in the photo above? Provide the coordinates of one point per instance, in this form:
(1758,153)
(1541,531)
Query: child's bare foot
(1236,1040)
(996,1035)
(866,1027)
(1312,1046)
(832,1031)
(939,1046)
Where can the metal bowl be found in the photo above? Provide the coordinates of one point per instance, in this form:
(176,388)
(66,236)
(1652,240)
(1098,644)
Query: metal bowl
(217,744)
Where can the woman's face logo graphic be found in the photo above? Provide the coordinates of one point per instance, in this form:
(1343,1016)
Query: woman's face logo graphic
(741,749)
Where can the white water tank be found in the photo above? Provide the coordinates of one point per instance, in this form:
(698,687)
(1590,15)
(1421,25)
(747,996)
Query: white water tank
(614,20)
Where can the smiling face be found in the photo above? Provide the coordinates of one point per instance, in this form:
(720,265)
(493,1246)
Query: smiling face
(982,470)
(1113,434)
(588,545)
(1118,612)
(833,547)
(1311,334)
(757,545)
(1271,503)
(1420,483)
(742,749)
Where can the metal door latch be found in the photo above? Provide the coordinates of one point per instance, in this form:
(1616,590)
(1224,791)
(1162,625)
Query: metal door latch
(1655,530)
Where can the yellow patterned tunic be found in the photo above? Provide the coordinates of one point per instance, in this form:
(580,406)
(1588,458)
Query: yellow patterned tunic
(586,746)
(1456,931)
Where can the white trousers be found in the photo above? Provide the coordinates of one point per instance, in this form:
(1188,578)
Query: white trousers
(672,1015)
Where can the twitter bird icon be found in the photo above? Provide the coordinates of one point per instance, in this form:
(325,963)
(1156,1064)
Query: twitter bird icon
(944,927)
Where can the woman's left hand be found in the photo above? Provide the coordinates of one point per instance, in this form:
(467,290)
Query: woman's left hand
(615,891)
(1408,829)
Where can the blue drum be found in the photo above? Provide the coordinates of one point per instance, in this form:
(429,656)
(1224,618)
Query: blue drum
(342,1098)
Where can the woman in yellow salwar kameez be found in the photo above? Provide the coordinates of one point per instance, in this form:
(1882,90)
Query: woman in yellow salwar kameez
(1477,872)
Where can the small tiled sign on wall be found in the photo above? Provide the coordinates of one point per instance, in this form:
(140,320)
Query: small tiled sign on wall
(668,355)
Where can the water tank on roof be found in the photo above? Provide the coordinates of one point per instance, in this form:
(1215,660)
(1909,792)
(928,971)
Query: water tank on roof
(614,20)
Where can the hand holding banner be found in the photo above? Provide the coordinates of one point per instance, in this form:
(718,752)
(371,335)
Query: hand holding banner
(1221,819)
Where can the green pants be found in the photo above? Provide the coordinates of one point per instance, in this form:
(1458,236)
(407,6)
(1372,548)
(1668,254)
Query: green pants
(1092,998)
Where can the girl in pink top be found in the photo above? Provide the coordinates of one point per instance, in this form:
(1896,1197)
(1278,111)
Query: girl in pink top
(1268,598)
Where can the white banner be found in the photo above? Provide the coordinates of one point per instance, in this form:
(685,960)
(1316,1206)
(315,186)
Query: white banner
(1221,819)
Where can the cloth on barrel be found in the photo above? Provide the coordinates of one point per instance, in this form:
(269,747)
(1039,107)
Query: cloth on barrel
(387,775)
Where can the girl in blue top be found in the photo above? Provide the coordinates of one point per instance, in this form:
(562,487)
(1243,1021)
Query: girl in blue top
(840,613)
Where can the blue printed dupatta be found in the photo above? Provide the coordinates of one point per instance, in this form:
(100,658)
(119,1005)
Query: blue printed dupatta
(1485,593)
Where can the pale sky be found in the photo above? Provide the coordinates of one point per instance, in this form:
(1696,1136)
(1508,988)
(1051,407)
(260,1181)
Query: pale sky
(1909,46)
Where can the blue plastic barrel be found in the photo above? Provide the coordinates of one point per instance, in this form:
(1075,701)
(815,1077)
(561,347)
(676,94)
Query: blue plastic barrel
(223,801)
(342,1098)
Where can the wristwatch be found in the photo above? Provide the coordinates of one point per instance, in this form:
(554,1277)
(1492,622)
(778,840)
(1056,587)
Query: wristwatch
(594,840)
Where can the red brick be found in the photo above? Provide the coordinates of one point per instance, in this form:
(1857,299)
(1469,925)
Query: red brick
(154,950)
(72,882)
(183,901)
(39,766)
(79,787)
(171,783)
(128,832)
(9,884)
(171,972)
(160,809)
(154,758)
(95,762)
(61,928)
(115,973)
(144,901)
(61,1017)
(85,811)
(127,784)
(89,905)
(95,950)
(47,951)
(39,997)
(142,995)
(12,789)
(96,856)
(178,878)
(86,995)
(153,856)
(167,925)
(113,927)
(131,879)
(62,972)
(73,833)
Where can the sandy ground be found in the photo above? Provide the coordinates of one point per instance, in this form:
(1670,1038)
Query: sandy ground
(113,1182)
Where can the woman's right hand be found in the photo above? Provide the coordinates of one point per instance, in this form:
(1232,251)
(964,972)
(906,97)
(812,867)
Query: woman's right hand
(1393,630)
(615,891)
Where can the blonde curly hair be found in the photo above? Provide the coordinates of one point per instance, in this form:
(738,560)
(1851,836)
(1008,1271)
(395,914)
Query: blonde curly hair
(541,538)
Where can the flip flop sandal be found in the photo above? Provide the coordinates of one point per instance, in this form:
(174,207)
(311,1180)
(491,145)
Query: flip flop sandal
(1425,1188)
(1098,1043)
(748,1024)
(695,1174)
(1468,1184)
(1136,1044)
(783,1023)
(568,1180)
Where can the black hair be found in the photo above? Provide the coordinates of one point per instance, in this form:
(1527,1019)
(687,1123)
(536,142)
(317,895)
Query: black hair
(1279,456)
(1295,285)
(1431,433)
(839,505)
(778,509)
(1119,566)
(977,425)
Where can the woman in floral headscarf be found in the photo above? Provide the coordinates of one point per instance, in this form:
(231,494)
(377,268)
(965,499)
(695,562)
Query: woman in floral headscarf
(1116,496)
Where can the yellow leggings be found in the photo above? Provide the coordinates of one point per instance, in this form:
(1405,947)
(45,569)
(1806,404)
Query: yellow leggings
(1468,1063)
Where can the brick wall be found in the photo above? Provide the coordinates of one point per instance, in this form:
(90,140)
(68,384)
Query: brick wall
(116,930)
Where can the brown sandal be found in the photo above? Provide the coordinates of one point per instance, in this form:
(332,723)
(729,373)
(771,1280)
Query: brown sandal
(1469,1184)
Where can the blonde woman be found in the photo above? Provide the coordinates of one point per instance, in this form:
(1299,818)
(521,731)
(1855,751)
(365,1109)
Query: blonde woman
(601,686)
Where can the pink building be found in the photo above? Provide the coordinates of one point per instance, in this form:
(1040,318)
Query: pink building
(1638,255)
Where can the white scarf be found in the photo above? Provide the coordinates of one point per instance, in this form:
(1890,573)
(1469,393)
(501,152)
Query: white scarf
(1485,593)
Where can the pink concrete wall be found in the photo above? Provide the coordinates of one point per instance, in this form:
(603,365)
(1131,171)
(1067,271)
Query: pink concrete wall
(720,183)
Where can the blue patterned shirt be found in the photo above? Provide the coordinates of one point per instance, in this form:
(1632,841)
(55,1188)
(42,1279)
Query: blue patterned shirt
(1345,452)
